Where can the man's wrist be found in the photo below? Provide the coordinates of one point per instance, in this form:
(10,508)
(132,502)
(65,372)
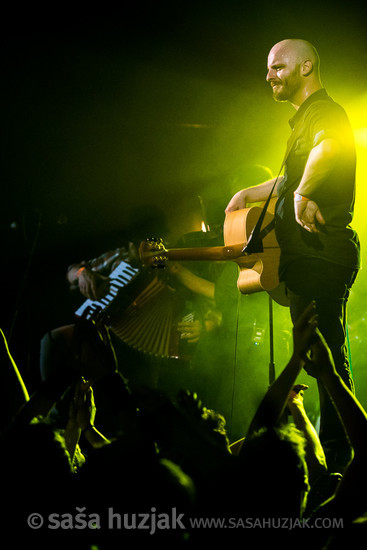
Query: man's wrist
(296,407)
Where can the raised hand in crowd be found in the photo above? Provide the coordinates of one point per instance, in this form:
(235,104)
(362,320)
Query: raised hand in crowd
(82,412)
(349,499)
(315,456)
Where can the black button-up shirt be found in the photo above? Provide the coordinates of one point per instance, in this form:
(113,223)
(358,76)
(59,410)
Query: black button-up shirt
(318,118)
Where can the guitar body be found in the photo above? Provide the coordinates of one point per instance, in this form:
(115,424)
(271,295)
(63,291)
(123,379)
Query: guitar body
(258,271)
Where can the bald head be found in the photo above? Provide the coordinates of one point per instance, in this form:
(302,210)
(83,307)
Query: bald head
(299,51)
(293,70)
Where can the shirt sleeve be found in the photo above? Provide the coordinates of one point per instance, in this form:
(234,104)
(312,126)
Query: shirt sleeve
(107,261)
(103,264)
(328,120)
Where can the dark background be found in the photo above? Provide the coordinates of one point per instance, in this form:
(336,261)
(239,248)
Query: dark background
(119,120)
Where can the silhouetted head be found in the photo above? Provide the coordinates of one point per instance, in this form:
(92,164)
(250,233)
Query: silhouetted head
(275,472)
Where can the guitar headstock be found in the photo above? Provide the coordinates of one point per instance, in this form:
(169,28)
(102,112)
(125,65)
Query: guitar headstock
(153,253)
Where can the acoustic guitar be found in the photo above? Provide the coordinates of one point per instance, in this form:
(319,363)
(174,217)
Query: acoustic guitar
(257,271)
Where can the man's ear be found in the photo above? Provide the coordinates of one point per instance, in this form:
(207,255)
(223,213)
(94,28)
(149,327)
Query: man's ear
(306,68)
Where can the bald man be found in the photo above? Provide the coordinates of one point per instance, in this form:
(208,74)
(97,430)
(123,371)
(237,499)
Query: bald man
(320,252)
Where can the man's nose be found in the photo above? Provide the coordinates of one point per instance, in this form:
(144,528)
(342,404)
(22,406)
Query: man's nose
(270,75)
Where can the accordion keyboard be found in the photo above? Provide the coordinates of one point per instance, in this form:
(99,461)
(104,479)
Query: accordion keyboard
(119,278)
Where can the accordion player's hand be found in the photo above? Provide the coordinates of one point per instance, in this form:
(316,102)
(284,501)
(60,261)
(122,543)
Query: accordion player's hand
(190,331)
(93,285)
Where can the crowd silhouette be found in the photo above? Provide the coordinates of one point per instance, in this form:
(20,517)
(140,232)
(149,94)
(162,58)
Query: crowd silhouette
(169,465)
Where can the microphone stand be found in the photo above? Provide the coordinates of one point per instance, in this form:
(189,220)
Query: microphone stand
(255,245)
(271,343)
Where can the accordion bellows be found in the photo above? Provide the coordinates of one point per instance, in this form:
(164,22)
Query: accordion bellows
(149,323)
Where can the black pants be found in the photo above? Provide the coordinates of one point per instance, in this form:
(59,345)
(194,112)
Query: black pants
(329,284)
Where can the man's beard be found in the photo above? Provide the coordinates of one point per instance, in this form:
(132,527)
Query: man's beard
(281,92)
(285,90)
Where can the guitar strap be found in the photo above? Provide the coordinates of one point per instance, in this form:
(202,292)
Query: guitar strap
(255,240)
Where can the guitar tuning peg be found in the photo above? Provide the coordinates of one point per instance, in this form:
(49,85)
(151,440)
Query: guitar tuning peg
(155,243)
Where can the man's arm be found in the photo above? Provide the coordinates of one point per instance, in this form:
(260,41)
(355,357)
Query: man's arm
(81,419)
(192,330)
(191,281)
(319,165)
(258,193)
(351,412)
(315,456)
(349,499)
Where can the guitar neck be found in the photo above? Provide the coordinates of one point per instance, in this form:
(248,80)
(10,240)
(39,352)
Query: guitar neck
(211,253)
(206,253)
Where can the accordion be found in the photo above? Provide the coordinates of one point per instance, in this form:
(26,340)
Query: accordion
(141,309)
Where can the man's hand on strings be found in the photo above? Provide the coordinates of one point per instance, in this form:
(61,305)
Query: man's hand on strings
(308,215)
(237,202)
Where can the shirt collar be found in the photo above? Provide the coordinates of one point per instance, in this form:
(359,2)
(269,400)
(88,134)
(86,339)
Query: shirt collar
(320,94)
